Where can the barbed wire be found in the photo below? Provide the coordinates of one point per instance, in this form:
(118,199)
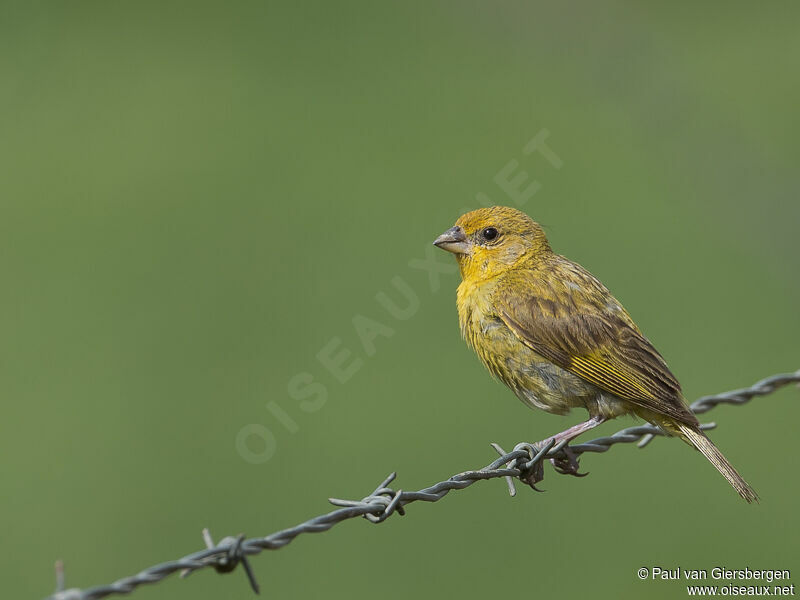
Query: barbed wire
(525,463)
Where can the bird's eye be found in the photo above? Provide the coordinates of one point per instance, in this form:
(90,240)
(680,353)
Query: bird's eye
(490,233)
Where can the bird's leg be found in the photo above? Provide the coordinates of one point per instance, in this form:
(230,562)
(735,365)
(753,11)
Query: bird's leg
(574,431)
(569,465)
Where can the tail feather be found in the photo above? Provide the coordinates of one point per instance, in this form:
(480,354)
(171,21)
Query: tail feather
(699,440)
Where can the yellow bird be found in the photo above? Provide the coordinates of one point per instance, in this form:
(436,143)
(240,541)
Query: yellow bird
(555,335)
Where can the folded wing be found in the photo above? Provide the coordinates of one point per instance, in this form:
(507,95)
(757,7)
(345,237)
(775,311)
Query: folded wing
(575,323)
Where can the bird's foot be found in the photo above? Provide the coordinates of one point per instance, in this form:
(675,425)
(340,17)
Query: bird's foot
(531,470)
(567,464)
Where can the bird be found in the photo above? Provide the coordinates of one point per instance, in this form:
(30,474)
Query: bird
(555,335)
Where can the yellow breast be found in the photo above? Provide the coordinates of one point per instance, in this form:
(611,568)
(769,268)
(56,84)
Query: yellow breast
(474,308)
(482,328)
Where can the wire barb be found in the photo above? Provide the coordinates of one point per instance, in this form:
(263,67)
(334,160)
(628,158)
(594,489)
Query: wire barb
(380,504)
(525,463)
(235,555)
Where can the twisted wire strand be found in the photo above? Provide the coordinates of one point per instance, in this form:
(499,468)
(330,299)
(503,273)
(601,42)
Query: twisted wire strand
(524,462)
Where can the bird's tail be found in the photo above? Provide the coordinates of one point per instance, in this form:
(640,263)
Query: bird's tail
(699,440)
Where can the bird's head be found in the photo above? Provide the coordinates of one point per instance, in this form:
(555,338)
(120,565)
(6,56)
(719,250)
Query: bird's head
(490,241)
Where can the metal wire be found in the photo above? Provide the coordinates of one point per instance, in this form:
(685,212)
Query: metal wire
(524,462)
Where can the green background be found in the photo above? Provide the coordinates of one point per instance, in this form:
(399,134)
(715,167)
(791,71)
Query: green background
(196,198)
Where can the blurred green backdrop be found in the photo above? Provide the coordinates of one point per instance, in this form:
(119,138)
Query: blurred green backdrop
(197,197)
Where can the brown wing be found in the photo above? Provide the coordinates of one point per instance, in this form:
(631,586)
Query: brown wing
(567,316)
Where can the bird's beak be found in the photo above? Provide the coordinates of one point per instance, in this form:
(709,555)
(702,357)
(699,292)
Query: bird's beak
(453,240)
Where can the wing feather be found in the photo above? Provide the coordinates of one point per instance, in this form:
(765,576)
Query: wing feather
(568,317)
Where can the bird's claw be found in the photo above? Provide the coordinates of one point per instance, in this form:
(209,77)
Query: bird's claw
(533,475)
(567,464)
